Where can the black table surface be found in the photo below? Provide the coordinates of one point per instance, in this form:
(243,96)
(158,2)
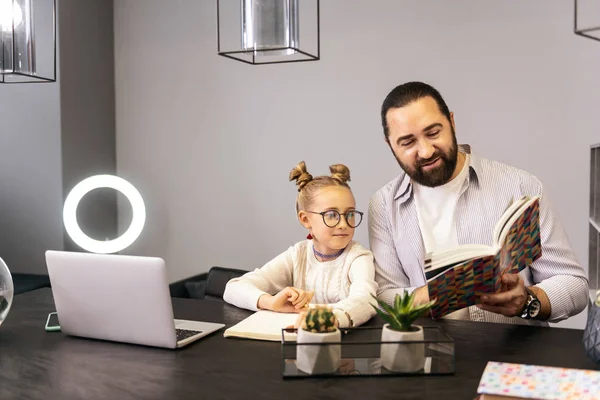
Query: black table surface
(35,364)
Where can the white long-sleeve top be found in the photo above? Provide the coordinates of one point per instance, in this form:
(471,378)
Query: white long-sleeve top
(346,283)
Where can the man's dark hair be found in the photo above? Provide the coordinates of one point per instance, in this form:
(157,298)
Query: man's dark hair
(405,94)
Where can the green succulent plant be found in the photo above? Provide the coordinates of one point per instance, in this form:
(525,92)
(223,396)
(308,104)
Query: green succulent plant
(403,312)
(319,319)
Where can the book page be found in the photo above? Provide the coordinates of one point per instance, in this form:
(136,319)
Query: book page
(440,260)
(263,325)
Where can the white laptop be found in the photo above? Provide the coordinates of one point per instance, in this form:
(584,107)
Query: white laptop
(118,298)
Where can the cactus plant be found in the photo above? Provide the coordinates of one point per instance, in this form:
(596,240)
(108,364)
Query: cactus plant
(319,319)
(319,326)
(402,313)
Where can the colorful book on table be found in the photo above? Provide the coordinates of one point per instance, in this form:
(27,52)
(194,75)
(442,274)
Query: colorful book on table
(459,276)
(520,381)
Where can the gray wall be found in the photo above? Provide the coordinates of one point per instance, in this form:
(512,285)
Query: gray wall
(30,175)
(88,110)
(210,141)
(55,134)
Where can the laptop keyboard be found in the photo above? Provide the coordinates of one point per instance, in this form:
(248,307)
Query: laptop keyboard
(185,333)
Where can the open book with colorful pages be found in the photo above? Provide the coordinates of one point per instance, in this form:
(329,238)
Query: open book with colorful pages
(459,276)
(263,325)
(505,381)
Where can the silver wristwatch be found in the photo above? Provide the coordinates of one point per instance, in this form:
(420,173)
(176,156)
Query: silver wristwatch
(532,307)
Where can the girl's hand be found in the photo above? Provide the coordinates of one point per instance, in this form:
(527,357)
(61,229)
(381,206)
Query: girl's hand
(289,300)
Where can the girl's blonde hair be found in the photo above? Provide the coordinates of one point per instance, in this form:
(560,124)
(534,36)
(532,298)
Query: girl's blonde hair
(309,186)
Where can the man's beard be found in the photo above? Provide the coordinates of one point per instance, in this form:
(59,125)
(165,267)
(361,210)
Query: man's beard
(437,176)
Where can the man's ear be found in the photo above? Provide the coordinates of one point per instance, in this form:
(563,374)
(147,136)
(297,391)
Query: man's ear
(303,218)
(452,120)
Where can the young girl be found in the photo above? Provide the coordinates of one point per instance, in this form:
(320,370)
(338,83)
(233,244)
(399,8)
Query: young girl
(327,268)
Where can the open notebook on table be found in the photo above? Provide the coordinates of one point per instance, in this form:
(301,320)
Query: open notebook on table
(459,276)
(263,325)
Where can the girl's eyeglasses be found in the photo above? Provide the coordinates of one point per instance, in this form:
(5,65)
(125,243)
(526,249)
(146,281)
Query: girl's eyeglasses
(332,218)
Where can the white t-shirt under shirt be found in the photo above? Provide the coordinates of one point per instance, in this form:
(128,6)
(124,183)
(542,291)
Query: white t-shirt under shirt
(436,211)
